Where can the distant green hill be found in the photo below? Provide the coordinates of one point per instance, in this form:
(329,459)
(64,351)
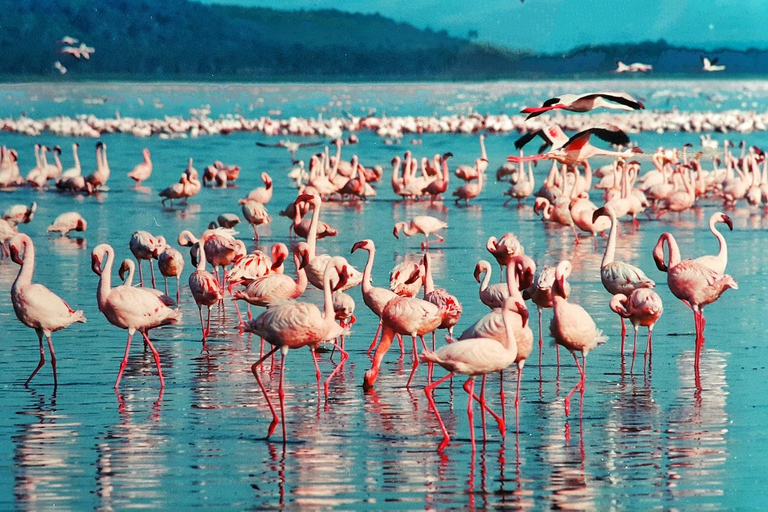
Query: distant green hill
(179,39)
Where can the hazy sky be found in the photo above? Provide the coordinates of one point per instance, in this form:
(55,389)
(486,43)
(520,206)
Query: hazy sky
(555,25)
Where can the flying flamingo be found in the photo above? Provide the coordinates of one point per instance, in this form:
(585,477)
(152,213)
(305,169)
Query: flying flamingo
(375,297)
(205,290)
(473,357)
(292,325)
(128,307)
(573,328)
(142,171)
(424,224)
(35,305)
(585,103)
(578,149)
(66,222)
(142,245)
(552,135)
(643,307)
(693,282)
(618,276)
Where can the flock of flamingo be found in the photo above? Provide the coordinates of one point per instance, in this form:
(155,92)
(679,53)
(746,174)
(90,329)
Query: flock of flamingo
(492,344)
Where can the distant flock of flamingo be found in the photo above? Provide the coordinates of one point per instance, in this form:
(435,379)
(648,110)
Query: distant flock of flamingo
(493,343)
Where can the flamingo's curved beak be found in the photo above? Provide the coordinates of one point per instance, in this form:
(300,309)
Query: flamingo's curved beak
(15,255)
(303,259)
(478,271)
(358,245)
(523,311)
(95,263)
(415,275)
(395,232)
(728,222)
(122,271)
(597,213)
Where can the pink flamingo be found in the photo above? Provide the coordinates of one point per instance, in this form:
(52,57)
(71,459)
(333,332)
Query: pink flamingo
(205,290)
(468,172)
(504,250)
(618,276)
(403,316)
(424,224)
(35,305)
(275,287)
(540,293)
(643,307)
(492,295)
(573,328)
(142,171)
(471,190)
(263,194)
(473,357)
(375,297)
(301,226)
(720,261)
(449,305)
(255,213)
(128,307)
(142,245)
(170,262)
(66,222)
(175,191)
(440,185)
(693,282)
(586,102)
(292,325)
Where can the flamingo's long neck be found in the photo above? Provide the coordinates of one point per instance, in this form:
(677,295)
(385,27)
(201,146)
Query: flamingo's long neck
(722,255)
(483,154)
(513,285)
(409,230)
(38,162)
(367,282)
(510,342)
(610,250)
(301,275)
(57,160)
(328,314)
(674,250)
(76,158)
(396,173)
(27,266)
(201,261)
(446,174)
(486,278)
(429,284)
(530,173)
(105,280)
(312,235)
(131,270)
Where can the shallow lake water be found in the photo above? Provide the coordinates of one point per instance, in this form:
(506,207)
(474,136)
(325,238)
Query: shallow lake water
(638,440)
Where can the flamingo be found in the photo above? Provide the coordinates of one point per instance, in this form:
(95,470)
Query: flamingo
(493,295)
(7,231)
(205,290)
(176,191)
(35,305)
(375,297)
(578,149)
(492,325)
(449,305)
(170,262)
(301,226)
(142,171)
(66,222)
(474,357)
(292,325)
(711,65)
(142,245)
(552,135)
(318,262)
(263,194)
(693,282)
(20,214)
(405,279)
(472,190)
(424,224)
(228,220)
(440,185)
(643,307)
(76,170)
(255,213)
(275,287)
(618,276)
(585,103)
(468,172)
(504,250)
(573,328)
(720,261)
(128,307)
(540,293)
(100,176)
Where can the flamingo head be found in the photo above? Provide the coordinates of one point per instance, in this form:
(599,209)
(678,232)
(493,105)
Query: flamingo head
(526,269)
(540,204)
(302,251)
(124,267)
(658,254)
(480,267)
(343,271)
(362,244)
(395,160)
(194,254)
(415,275)
(82,225)
(726,220)
(397,229)
(267,179)
(522,310)
(637,150)
(618,305)
(303,198)
(562,272)
(16,251)
(599,213)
